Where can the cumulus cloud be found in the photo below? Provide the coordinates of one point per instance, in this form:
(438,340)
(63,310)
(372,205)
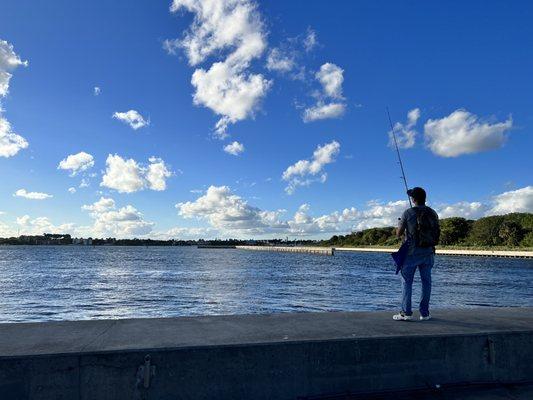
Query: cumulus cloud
(157,174)
(234,148)
(405,133)
(233,28)
(9,61)
(331,78)
(465,209)
(132,118)
(330,102)
(124,222)
(40,225)
(229,212)
(279,61)
(323,110)
(32,195)
(462,132)
(76,163)
(233,216)
(305,172)
(520,200)
(186,233)
(128,176)
(71,190)
(10,142)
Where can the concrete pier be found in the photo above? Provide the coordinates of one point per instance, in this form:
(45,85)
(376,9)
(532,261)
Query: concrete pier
(326,251)
(450,252)
(278,356)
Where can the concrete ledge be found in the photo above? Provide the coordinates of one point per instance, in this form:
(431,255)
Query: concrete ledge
(280,356)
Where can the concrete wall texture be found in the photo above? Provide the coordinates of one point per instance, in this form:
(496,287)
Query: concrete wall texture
(319,359)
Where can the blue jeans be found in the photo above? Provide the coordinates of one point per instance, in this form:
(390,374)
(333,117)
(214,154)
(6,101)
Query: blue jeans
(424,265)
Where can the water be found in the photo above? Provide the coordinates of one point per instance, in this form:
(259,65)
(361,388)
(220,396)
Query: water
(40,283)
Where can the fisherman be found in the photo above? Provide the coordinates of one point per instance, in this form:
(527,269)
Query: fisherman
(419,225)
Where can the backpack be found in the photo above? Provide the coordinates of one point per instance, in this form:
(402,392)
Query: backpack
(427,228)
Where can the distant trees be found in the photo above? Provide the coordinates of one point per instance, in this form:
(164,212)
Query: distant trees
(368,237)
(511,230)
(511,233)
(454,230)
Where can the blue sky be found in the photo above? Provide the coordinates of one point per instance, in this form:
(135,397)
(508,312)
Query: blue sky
(463,66)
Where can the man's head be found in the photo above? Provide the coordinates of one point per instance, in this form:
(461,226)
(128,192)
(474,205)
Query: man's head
(418,195)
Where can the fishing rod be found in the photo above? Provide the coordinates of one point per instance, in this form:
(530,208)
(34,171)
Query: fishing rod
(399,157)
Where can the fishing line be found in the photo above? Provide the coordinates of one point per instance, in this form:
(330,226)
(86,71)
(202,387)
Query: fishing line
(399,157)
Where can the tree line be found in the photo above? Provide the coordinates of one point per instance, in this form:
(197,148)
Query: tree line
(511,230)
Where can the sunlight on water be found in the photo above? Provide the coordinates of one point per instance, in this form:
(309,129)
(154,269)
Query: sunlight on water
(74,282)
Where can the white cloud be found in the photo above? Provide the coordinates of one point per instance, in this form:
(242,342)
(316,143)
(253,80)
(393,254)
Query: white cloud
(234,148)
(84,183)
(520,200)
(465,209)
(127,176)
(184,233)
(76,163)
(132,118)
(304,172)
(233,216)
(462,132)
(310,41)
(124,222)
(323,111)
(10,142)
(331,78)
(227,87)
(71,190)
(286,58)
(231,94)
(32,195)
(9,61)
(279,61)
(41,225)
(230,213)
(157,174)
(406,134)
(97,90)
(330,102)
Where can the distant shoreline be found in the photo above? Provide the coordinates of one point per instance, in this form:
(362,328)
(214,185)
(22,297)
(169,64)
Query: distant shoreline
(444,249)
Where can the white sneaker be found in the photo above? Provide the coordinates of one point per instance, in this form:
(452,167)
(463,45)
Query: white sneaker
(402,317)
(425,318)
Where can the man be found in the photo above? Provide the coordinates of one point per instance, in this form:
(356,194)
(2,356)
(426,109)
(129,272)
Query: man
(420,227)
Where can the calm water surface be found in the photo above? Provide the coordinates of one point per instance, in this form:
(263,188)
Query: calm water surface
(39,283)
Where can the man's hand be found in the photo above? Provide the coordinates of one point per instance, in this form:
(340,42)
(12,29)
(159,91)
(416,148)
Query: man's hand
(401,229)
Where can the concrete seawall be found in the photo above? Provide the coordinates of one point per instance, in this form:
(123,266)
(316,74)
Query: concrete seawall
(326,251)
(449,252)
(279,356)
(330,251)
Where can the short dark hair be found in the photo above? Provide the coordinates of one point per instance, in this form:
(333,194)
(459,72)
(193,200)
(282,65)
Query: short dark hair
(418,194)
